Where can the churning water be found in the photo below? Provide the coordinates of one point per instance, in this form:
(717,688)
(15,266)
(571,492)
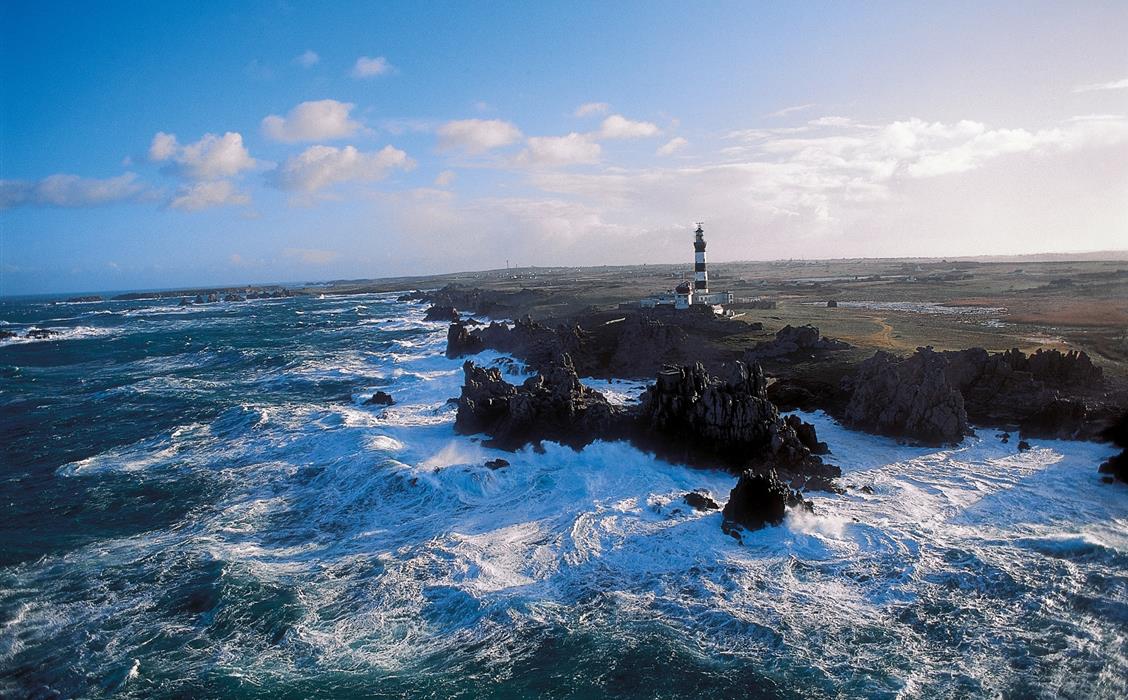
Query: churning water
(196,503)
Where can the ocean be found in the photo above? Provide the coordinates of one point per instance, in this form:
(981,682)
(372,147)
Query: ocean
(197,503)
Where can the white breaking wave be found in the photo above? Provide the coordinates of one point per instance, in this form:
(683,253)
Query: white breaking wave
(399,543)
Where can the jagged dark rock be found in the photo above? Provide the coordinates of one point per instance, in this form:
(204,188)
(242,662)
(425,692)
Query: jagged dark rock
(1023,445)
(910,398)
(791,340)
(1117,434)
(1062,419)
(700,500)
(441,313)
(380,398)
(40,333)
(832,304)
(692,416)
(552,405)
(1012,388)
(759,499)
(807,435)
(635,345)
(802,394)
(498,463)
(461,342)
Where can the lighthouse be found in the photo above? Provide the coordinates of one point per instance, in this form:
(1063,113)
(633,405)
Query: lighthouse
(700,275)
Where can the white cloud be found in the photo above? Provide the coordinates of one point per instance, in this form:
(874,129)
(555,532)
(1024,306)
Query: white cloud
(589,108)
(672,146)
(832,181)
(163,146)
(366,67)
(619,127)
(572,149)
(320,166)
(476,136)
(1095,87)
(212,157)
(320,120)
(311,256)
(444,178)
(210,193)
(307,58)
(790,110)
(63,190)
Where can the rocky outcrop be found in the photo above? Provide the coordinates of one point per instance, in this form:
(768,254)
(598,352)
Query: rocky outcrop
(794,340)
(441,313)
(643,345)
(461,341)
(805,394)
(552,405)
(1117,434)
(40,333)
(1043,393)
(692,416)
(757,500)
(910,398)
(700,500)
(807,435)
(380,398)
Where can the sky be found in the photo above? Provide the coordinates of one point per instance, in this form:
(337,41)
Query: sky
(159,145)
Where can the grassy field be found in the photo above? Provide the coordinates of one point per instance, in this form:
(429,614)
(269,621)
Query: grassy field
(890,304)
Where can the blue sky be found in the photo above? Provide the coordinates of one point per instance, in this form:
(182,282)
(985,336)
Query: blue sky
(170,144)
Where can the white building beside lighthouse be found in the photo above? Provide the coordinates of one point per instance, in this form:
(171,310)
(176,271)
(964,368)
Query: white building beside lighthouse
(696,293)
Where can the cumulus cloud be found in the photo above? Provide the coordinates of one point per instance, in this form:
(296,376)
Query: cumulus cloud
(320,120)
(321,166)
(572,149)
(589,108)
(672,146)
(210,158)
(307,58)
(475,136)
(444,178)
(69,191)
(209,193)
(366,67)
(815,180)
(619,127)
(1097,87)
(311,256)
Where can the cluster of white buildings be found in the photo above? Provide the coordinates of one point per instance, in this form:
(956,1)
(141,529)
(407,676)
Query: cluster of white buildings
(688,294)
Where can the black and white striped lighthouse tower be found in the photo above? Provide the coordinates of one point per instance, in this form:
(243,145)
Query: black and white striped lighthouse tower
(700,274)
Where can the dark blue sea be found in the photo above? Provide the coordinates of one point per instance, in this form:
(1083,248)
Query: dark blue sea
(195,502)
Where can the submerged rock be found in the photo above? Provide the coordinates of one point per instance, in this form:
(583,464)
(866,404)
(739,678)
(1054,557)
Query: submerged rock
(498,463)
(700,500)
(40,333)
(910,398)
(759,499)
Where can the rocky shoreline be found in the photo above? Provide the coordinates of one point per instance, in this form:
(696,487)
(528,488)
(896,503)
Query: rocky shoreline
(712,405)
